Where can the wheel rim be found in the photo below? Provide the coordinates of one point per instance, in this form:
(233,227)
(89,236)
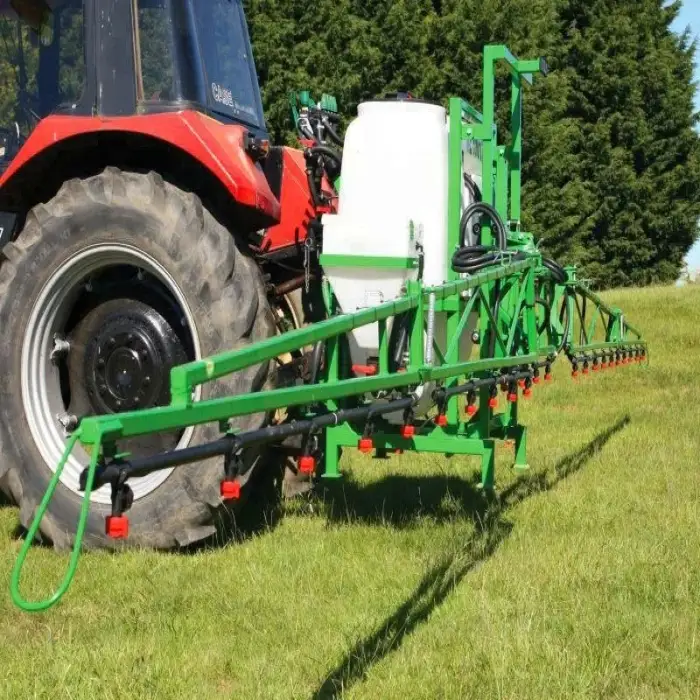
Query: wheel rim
(126,322)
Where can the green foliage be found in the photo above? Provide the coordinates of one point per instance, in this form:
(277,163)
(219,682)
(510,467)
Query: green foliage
(614,183)
(22,58)
(612,158)
(156,55)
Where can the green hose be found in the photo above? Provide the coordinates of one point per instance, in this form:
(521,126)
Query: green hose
(17,598)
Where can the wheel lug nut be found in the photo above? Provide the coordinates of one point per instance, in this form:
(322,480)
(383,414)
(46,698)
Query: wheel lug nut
(102,389)
(61,347)
(147,381)
(100,363)
(68,421)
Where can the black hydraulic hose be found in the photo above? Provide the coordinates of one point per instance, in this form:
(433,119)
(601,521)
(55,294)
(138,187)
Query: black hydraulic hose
(496,308)
(472,187)
(470,259)
(563,314)
(311,171)
(539,301)
(567,326)
(558,272)
(332,132)
(326,151)
(316,357)
(399,340)
(316,197)
(485,210)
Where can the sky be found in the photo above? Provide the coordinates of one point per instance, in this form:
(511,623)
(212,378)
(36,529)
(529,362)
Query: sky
(690,16)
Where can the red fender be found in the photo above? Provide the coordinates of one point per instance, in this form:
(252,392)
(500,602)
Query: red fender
(298,208)
(218,147)
(297,205)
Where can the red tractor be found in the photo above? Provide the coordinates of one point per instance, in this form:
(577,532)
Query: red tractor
(145,221)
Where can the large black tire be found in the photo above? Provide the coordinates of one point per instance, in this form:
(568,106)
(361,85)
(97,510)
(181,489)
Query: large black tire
(225,292)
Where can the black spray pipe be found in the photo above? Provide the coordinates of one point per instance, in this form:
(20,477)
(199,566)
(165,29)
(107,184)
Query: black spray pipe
(231,444)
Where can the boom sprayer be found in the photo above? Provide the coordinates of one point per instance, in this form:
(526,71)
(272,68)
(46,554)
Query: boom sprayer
(441,314)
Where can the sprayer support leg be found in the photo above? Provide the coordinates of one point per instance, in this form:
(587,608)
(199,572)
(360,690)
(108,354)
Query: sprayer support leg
(521,464)
(332,456)
(488,466)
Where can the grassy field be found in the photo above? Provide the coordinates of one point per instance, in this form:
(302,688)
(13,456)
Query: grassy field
(583,581)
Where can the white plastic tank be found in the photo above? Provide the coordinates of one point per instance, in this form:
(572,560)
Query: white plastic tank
(394,181)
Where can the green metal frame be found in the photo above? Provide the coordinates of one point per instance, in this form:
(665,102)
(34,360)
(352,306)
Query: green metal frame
(379,262)
(513,335)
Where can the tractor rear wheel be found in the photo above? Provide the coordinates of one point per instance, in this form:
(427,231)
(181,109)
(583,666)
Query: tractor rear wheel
(117,279)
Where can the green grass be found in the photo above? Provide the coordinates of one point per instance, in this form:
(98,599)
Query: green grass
(582,582)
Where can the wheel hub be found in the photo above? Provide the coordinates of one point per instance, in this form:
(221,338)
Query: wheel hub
(128,358)
(107,292)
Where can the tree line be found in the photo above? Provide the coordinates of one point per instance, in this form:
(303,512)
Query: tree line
(612,157)
(611,151)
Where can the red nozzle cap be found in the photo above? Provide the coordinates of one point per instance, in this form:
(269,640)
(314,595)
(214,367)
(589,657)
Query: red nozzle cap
(230,490)
(536,380)
(585,370)
(527,393)
(471,409)
(307,465)
(408,431)
(398,451)
(366,445)
(117,527)
(441,420)
(548,378)
(574,374)
(596,368)
(366,370)
(512,398)
(493,403)
(521,383)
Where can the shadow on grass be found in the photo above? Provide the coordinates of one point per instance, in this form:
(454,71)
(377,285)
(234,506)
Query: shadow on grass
(441,579)
(259,513)
(4,501)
